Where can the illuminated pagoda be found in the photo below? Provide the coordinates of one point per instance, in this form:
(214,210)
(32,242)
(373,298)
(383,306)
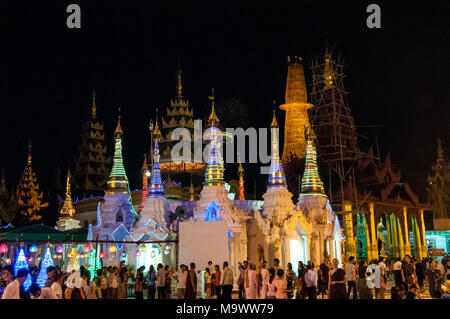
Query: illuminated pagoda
(311,182)
(179,115)
(91,164)
(214,189)
(145,175)
(29,197)
(296,123)
(66,220)
(155,207)
(116,214)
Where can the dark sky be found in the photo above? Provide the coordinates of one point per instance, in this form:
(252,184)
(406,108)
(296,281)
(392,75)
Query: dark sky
(397,76)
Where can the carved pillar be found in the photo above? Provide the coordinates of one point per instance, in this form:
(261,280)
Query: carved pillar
(422,233)
(373,232)
(388,227)
(348,227)
(407,245)
(417,239)
(400,239)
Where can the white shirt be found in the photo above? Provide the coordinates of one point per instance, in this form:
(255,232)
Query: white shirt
(377,274)
(311,278)
(57,290)
(12,290)
(161,277)
(181,277)
(369,281)
(350,270)
(398,265)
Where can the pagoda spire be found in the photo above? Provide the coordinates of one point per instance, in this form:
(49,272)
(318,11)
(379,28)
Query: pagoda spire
(156,189)
(241,182)
(94,106)
(311,183)
(29,157)
(67,211)
(179,84)
(277,178)
(118,181)
(440,151)
(214,169)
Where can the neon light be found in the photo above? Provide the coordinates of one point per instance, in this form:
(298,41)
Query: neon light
(21,263)
(47,262)
(212,212)
(311,183)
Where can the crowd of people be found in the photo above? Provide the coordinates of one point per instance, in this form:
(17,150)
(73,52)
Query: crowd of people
(356,279)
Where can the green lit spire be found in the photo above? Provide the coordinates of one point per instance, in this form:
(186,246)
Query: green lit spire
(118,181)
(311,183)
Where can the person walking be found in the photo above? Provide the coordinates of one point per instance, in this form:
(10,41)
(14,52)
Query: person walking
(104,283)
(434,278)
(336,281)
(151,283)
(207,278)
(114,283)
(375,269)
(191,283)
(364,291)
(161,281)
(53,283)
(351,277)
(408,272)
(265,281)
(280,285)
(420,272)
(301,286)
(311,282)
(290,278)
(241,282)
(217,278)
(226,281)
(168,286)
(252,291)
(122,283)
(139,285)
(181,277)
(398,272)
(271,289)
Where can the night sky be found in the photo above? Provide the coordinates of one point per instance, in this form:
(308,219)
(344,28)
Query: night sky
(397,76)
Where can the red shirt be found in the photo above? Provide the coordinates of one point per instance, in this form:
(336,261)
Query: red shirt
(217,275)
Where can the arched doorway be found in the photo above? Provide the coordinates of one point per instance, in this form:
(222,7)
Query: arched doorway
(298,247)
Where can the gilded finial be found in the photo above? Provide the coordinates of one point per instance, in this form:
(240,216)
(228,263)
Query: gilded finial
(156,133)
(118,132)
(274,120)
(29,153)
(179,83)
(213,119)
(94,106)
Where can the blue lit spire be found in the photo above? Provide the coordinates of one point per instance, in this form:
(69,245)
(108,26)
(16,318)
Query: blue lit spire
(277,178)
(155,188)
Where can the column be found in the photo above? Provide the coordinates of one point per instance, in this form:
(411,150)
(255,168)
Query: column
(407,245)
(348,227)
(374,242)
(422,233)
(417,240)
(394,228)
(388,227)
(400,239)
(368,243)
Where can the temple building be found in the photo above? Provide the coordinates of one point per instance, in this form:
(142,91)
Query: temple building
(179,115)
(29,198)
(92,164)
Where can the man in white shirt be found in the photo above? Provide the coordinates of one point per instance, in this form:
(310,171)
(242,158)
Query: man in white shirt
(161,281)
(311,282)
(351,277)
(114,283)
(12,291)
(398,272)
(226,281)
(181,276)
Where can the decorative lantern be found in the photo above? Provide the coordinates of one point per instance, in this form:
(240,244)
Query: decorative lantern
(101,255)
(153,255)
(81,255)
(33,248)
(59,256)
(59,248)
(112,248)
(78,255)
(138,253)
(3,248)
(143,248)
(87,248)
(55,256)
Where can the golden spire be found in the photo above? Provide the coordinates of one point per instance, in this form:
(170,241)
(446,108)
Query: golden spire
(213,120)
(191,192)
(156,132)
(179,84)
(274,120)
(29,154)
(94,106)
(118,132)
(67,211)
